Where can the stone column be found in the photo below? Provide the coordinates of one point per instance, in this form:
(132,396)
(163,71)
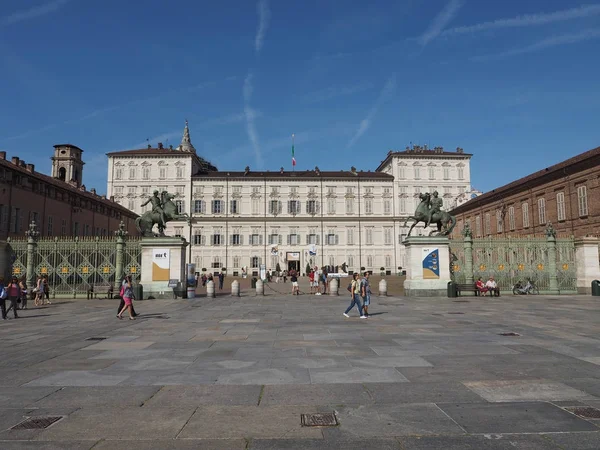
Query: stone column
(121,233)
(587,266)
(468,243)
(551,244)
(32,236)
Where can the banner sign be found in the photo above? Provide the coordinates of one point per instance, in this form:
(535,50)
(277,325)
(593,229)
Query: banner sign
(431,264)
(161,259)
(293,256)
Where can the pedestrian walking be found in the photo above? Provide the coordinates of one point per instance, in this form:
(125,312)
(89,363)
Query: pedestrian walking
(294,280)
(23,286)
(365,293)
(122,304)
(221,280)
(13,291)
(127,292)
(355,296)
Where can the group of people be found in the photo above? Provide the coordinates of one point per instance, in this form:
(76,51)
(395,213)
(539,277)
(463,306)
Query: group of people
(16,293)
(359,290)
(203,279)
(319,283)
(490,287)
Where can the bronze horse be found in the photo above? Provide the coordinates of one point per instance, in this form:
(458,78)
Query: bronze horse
(146,221)
(441,218)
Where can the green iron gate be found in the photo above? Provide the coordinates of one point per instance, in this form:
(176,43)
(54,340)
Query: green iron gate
(513,259)
(72,265)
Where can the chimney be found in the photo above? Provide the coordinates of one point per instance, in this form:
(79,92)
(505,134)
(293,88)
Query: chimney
(160,145)
(112,198)
(104,197)
(170,147)
(3,155)
(22,164)
(317,171)
(281,170)
(353,170)
(93,191)
(149,145)
(246,170)
(15,160)
(30,168)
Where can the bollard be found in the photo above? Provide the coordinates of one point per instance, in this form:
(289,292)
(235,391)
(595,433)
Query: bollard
(210,289)
(235,288)
(333,287)
(260,287)
(383,288)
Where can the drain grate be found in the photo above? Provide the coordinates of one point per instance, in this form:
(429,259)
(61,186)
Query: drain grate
(319,420)
(95,339)
(509,334)
(456,313)
(36,423)
(585,411)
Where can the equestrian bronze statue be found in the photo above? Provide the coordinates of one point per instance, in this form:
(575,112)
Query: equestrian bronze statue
(429,211)
(163,210)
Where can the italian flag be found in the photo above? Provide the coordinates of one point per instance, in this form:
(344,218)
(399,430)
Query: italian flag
(293,159)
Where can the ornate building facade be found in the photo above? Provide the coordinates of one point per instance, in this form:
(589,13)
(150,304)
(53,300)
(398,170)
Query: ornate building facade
(60,204)
(242,219)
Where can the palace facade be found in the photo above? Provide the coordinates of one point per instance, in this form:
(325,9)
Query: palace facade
(242,219)
(566,194)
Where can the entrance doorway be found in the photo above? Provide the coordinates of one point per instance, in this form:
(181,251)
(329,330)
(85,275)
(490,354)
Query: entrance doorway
(294,265)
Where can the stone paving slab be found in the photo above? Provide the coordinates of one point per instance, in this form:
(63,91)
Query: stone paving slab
(515,418)
(199,396)
(273,422)
(319,444)
(356,375)
(488,442)
(63,445)
(97,396)
(523,391)
(315,394)
(416,392)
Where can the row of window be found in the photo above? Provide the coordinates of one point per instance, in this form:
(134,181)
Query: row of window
(582,209)
(432,172)
(275,207)
(254,262)
(294,238)
(163,172)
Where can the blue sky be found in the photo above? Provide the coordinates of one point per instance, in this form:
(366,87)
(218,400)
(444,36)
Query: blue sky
(514,82)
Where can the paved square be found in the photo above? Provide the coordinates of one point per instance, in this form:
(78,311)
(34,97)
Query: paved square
(237,373)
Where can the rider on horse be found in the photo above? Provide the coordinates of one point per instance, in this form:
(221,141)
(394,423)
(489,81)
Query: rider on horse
(436,204)
(157,206)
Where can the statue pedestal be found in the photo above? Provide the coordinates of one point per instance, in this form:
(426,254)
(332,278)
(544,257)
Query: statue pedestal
(163,259)
(428,271)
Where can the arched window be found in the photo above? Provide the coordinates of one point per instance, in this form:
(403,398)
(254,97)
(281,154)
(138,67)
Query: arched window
(62,174)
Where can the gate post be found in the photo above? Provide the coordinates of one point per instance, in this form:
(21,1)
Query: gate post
(551,244)
(32,236)
(468,243)
(121,233)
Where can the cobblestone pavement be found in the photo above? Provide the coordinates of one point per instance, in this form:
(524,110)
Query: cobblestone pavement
(238,373)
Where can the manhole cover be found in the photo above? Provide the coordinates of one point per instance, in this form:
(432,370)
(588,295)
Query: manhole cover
(585,411)
(319,420)
(456,313)
(36,423)
(509,334)
(95,339)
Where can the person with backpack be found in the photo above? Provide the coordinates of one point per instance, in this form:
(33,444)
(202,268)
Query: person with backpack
(354,288)
(127,295)
(3,297)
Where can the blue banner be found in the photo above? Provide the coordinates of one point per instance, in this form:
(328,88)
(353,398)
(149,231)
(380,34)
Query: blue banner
(431,264)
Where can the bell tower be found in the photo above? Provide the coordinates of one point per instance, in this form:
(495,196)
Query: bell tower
(67,164)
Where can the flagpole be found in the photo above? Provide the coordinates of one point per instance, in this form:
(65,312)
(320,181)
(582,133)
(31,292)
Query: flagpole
(293,156)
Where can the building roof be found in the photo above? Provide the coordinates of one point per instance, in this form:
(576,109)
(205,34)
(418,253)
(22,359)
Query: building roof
(418,151)
(582,161)
(67,187)
(68,145)
(303,175)
(149,151)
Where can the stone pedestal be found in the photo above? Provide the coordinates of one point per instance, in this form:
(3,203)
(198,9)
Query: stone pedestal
(428,271)
(163,259)
(588,269)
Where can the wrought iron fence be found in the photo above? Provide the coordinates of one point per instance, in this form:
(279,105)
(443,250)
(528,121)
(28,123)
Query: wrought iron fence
(73,265)
(513,259)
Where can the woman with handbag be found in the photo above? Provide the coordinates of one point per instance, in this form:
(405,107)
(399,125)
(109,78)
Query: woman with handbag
(127,290)
(14,293)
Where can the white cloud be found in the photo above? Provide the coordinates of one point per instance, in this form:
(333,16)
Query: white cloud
(563,39)
(336,91)
(385,95)
(444,17)
(250,115)
(527,20)
(33,12)
(264,16)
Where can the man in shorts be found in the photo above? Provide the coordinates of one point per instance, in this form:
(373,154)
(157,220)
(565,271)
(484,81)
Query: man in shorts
(294,279)
(365,293)
(311,280)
